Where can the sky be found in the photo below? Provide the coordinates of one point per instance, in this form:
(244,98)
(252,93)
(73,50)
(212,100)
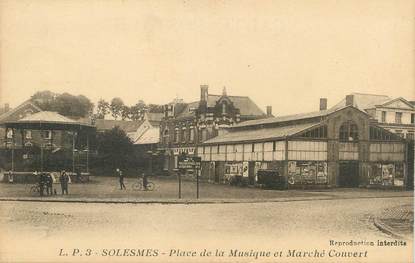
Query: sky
(287,54)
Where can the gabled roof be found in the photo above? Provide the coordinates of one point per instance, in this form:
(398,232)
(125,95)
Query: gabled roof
(261,134)
(245,105)
(364,101)
(127,126)
(154,117)
(8,116)
(391,101)
(150,136)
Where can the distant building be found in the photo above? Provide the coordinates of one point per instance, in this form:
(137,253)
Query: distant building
(185,125)
(25,109)
(394,114)
(144,136)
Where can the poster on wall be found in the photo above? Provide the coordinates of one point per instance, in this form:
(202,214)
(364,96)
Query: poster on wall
(291,167)
(245,169)
(388,171)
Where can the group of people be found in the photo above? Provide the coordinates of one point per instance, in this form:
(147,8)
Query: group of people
(121,179)
(46,182)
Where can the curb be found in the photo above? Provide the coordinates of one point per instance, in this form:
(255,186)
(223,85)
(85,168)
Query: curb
(183,201)
(386,229)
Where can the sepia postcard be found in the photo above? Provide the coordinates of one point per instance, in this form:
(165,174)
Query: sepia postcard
(207,130)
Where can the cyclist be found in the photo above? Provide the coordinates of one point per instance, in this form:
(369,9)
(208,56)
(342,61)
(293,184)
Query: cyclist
(144,181)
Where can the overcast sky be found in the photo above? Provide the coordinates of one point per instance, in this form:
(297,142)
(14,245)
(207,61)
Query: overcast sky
(286,54)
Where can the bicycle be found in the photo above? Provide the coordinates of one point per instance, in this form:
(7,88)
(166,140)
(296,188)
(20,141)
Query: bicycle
(138,186)
(35,189)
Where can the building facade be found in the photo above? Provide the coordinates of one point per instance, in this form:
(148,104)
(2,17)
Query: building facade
(186,125)
(342,147)
(394,114)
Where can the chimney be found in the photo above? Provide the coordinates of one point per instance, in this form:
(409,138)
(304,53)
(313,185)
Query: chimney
(269,111)
(349,100)
(204,92)
(323,103)
(6,107)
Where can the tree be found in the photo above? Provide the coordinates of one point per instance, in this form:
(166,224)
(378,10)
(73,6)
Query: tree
(125,112)
(116,107)
(155,108)
(115,149)
(65,104)
(103,108)
(137,111)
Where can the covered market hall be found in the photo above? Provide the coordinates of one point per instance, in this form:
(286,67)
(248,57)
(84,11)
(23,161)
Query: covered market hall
(328,148)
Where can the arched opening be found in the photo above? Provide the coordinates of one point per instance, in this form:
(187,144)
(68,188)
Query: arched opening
(349,132)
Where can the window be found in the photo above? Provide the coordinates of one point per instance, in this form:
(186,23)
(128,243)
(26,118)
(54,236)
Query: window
(28,134)
(9,134)
(273,146)
(48,135)
(320,132)
(183,134)
(383,116)
(176,135)
(398,117)
(253,147)
(410,135)
(191,134)
(412,118)
(348,132)
(224,108)
(204,135)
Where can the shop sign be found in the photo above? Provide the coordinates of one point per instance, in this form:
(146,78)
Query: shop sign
(189,162)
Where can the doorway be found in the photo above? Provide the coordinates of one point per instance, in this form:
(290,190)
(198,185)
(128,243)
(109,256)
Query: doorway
(348,174)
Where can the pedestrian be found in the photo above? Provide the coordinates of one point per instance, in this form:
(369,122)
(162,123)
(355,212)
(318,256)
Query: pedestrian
(64,179)
(41,184)
(49,182)
(121,178)
(144,181)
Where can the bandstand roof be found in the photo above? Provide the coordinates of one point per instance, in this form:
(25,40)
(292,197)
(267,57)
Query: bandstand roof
(47,120)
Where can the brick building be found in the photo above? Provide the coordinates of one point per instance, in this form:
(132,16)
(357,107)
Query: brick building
(186,125)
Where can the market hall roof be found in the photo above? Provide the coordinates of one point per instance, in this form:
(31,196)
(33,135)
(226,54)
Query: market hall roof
(261,134)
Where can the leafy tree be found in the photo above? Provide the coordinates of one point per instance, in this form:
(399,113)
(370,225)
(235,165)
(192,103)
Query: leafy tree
(125,112)
(116,107)
(137,111)
(103,108)
(155,108)
(115,148)
(65,104)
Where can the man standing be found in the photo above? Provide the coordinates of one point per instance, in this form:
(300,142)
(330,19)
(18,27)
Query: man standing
(41,183)
(64,182)
(49,182)
(121,178)
(145,181)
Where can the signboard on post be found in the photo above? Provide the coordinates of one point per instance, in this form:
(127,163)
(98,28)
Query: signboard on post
(186,162)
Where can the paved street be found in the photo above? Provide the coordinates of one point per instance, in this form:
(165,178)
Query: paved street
(107,189)
(43,228)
